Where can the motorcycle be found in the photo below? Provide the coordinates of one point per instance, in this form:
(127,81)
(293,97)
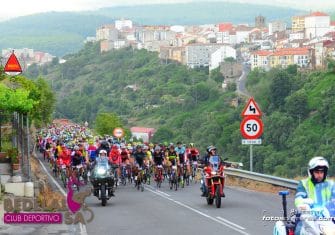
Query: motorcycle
(317,220)
(215,178)
(103,181)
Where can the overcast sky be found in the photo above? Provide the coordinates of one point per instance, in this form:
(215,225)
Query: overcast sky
(14,8)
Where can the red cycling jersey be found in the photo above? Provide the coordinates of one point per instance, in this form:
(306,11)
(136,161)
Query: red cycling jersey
(114,156)
(64,157)
(124,155)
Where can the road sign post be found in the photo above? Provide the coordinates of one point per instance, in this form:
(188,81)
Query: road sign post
(251,126)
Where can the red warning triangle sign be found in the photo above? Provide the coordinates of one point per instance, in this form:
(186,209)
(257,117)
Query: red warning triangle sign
(12,66)
(251,109)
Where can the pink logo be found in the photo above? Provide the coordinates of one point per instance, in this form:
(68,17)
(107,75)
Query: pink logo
(73,205)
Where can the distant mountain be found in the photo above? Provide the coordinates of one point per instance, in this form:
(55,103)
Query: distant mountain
(62,33)
(199,13)
(58,33)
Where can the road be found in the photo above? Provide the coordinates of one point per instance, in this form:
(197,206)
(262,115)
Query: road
(241,81)
(166,212)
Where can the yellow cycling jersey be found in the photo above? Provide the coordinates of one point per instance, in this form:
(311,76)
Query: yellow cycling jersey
(149,155)
(172,158)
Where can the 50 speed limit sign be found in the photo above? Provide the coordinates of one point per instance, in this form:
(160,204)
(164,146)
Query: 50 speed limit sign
(251,127)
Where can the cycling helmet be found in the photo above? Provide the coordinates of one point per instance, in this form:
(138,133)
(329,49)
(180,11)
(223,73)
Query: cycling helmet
(76,147)
(157,148)
(211,148)
(191,145)
(318,163)
(208,148)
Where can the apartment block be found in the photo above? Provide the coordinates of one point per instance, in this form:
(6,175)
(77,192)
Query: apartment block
(220,55)
(298,23)
(198,55)
(317,24)
(107,32)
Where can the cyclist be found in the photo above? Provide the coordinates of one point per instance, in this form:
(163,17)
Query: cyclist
(158,159)
(172,157)
(139,157)
(181,153)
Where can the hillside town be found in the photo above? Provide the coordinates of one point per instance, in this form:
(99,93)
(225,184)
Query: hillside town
(308,42)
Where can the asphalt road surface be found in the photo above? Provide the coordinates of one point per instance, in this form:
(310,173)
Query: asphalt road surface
(165,212)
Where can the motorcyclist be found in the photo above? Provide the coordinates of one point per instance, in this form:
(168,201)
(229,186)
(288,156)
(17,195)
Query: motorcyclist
(314,192)
(206,161)
(103,159)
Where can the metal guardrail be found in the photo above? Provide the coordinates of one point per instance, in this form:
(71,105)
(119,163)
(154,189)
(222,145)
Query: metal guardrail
(286,183)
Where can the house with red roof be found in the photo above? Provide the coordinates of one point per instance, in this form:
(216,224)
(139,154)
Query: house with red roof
(144,133)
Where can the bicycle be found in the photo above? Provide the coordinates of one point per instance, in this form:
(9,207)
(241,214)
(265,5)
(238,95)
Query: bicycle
(173,180)
(139,179)
(159,175)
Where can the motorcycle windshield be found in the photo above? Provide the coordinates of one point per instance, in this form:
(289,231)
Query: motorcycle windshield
(214,161)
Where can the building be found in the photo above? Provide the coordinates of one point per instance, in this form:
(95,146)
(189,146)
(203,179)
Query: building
(260,22)
(107,45)
(298,23)
(172,53)
(276,26)
(123,24)
(143,133)
(107,32)
(317,24)
(242,33)
(199,54)
(219,56)
(260,59)
(289,56)
(231,69)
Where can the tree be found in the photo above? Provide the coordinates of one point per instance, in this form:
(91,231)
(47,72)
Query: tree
(163,134)
(216,75)
(280,87)
(105,123)
(296,104)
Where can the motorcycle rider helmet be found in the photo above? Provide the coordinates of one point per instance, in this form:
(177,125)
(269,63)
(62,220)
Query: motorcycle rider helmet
(318,163)
(102,151)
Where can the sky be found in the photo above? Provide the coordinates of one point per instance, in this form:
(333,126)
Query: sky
(15,8)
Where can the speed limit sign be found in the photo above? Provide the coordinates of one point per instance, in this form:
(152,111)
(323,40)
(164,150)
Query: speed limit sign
(118,132)
(251,127)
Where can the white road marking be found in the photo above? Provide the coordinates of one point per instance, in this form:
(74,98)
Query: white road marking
(157,190)
(229,222)
(221,221)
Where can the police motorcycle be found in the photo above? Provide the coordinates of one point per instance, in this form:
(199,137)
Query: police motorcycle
(102,179)
(313,220)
